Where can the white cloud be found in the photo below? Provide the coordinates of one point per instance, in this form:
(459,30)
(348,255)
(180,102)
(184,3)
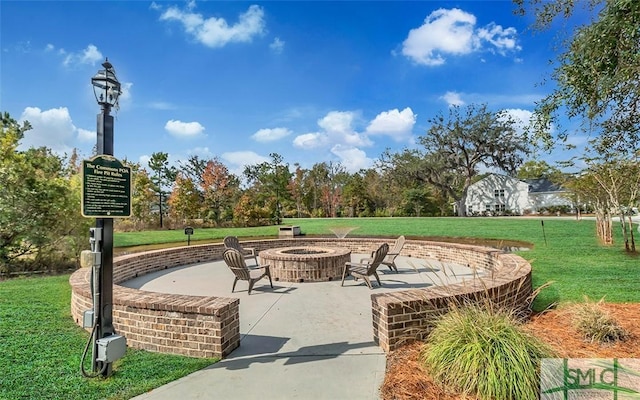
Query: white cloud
(521,119)
(216,32)
(183,129)
(143,160)
(337,128)
(270,134)
(125,88)
(453,32)
(394,123)
(54,129)
(243,158)
(443,32)
(352,158)
(504,40)
(519,114)
(85,135)
(338,122)
(309,141)
(202,152)
(453,99)
(90,55)
(236,161)
(277,46)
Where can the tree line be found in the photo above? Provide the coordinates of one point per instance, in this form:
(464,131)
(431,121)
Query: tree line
(40,223)
(418,182)
(40,200)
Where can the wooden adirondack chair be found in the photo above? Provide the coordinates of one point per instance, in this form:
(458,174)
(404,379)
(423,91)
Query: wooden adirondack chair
(366,268)
(236,262)
(390,259)
(232,242)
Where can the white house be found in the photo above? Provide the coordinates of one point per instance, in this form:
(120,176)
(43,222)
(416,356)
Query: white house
(500,193)
(544,194)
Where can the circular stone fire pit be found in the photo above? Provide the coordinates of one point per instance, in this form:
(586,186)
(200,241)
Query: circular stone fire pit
(306,264)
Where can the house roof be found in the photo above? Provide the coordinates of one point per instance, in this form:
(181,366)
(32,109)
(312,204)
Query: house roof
(539,185)
(542,185)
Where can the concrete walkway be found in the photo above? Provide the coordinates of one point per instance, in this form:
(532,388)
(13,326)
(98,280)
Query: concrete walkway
(298,340)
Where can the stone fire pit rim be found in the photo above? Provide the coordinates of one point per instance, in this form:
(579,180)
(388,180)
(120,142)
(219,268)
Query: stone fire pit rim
(289,253)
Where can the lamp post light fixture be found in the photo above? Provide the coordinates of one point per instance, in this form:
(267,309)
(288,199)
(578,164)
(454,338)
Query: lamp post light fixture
(107,90)
(106,86)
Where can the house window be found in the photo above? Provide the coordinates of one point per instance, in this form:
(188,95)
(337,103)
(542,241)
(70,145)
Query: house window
(498,194)
(469,209)
(499,207)
(487,207)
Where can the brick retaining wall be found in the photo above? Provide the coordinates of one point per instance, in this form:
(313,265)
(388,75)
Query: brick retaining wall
(403,316)
(201,326)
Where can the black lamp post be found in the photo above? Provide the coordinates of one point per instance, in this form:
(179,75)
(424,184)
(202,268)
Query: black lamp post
(107,89)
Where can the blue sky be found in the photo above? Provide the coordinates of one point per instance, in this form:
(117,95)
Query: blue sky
(312,81)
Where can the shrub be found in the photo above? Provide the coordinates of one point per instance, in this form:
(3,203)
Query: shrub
(595,324)
(483,351)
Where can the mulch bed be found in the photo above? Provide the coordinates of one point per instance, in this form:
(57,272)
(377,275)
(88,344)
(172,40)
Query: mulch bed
(405,379)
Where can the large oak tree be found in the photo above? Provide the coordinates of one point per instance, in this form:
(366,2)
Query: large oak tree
(597,75)
(457,146)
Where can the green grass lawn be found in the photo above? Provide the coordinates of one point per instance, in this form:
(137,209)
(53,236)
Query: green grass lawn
(41,347)
(566,252)
(491,228)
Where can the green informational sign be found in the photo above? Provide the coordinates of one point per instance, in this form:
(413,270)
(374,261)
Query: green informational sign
(106,188)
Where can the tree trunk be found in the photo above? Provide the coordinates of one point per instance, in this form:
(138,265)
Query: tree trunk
(160,209)
(633,242)
(625,235)
(604,227)
(461,208)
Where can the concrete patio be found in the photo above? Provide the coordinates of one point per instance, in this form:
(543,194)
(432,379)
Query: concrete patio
(298,340)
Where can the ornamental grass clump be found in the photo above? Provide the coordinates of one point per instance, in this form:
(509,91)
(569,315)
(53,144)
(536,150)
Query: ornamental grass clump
(595,324)
(483,351)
